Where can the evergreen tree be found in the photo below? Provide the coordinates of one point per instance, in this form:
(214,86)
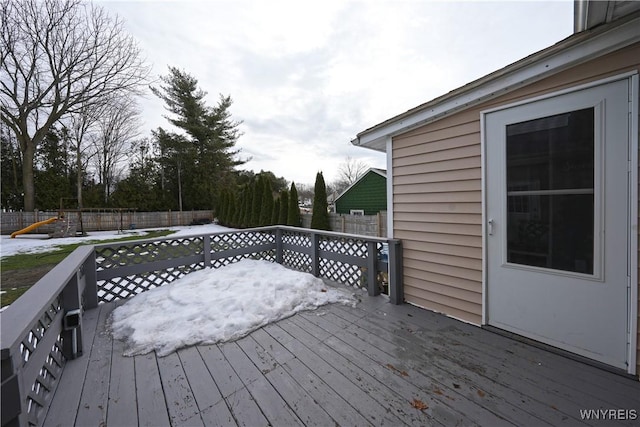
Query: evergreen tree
(220,208)
(248,208)
(237,215)
(10,170)
(266,209)
(230,208)
(256,204)
(208,151)
(276,211)
(293,214)
(284,207)
(320,215)
(51,175)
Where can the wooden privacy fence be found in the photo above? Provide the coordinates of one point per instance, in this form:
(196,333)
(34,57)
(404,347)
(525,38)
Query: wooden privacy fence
(366,225)
(43,328)
(103,220)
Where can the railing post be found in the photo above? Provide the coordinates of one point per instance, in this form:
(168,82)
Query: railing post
(279,250)
(72,321)
(372,261)
(207,250)
(315,254)
(13,414)
(396,286)
(90,292)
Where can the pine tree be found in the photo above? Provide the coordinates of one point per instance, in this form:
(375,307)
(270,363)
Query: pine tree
(284,207)
(293,214)
(320,216)
(267,203)
(207,153)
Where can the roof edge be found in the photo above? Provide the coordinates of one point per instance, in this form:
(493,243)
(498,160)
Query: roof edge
(572,51)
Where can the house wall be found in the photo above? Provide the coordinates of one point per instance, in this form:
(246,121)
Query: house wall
(369,194)
(437,203)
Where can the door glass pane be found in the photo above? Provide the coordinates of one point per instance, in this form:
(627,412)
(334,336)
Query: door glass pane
(550,192)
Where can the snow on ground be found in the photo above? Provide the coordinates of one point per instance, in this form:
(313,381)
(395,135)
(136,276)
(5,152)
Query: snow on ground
(217,305)
(38,243)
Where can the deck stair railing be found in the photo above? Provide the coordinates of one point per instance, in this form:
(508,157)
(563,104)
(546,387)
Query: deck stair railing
(43,328)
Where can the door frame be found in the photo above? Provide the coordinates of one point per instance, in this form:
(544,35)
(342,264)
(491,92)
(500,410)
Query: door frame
(632,197)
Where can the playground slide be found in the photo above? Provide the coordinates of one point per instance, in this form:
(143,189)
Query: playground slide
(32,227)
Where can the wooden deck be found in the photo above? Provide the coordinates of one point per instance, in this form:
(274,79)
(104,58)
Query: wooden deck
(376,364)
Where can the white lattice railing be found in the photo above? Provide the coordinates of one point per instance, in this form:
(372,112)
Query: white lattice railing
(43,328)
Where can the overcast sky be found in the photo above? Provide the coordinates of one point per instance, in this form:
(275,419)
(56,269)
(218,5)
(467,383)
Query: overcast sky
(307,76)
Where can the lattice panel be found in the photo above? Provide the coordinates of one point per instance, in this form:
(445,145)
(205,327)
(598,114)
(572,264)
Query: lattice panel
(128,286)
(345,246)
(38,330)
(146,252)
(241,239)
(50,371)
(341,272)
(297,261)
(269,255)
(297,239)
(45,383)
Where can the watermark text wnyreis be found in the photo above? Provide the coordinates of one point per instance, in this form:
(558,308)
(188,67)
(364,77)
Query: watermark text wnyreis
(609,414)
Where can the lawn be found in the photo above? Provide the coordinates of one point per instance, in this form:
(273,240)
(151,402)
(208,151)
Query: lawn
(21,271)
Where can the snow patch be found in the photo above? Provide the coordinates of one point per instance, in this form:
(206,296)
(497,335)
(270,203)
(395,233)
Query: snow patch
(216,305)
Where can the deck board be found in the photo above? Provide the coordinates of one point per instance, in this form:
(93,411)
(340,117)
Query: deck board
(94,400)
(337,365)
(476,350)
(204,388)
(152,407)
(122,408)
(181,403)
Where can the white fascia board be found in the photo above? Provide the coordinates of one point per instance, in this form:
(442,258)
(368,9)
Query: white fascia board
(538,66)
(388,144)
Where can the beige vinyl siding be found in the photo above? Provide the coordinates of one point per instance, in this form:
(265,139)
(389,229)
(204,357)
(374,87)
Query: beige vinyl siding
(438,214)
(437,202)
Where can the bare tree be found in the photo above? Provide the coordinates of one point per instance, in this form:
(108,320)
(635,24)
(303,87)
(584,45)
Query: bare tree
(57,57)
(82,123)
(348,172)
(117,128)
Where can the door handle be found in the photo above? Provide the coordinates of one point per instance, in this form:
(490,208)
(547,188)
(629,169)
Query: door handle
(490,227)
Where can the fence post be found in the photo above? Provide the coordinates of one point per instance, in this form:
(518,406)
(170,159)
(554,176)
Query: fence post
(90,293)
(372,261)
(12,401)
(396,286)
(315,254)
(279,251)
(72,321)
(207,250)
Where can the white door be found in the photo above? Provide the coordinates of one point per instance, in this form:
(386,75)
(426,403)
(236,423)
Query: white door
(557,198)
